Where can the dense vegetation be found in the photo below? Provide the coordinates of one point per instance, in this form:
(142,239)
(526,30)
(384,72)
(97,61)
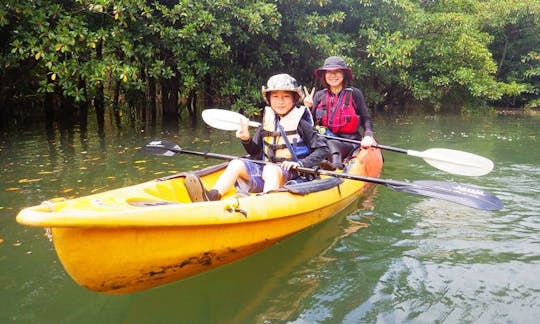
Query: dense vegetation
(152,57)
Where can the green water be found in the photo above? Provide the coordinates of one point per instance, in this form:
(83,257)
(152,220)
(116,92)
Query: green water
(390,258)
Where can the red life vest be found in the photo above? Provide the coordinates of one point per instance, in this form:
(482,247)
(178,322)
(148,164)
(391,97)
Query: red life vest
(338,116)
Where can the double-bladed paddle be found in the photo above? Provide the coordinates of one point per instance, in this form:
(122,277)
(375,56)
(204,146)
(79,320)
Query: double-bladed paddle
(451,161)
(463,194)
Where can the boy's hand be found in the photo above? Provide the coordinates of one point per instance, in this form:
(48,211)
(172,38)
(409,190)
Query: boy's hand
(243,131)
(288,165)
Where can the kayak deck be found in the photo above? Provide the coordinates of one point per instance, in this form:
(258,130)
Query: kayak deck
(138,237)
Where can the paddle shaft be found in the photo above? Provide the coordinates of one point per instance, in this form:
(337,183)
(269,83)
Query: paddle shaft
(299,169)
(455,192)
(232,118)
(391,148)
(380,146)
(457,162)
(392,184)
(452,161)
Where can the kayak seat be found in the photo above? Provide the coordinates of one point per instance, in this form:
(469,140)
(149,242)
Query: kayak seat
(177,190)
(201,173)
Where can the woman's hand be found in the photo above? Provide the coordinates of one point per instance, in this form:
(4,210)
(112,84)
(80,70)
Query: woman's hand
(368,141)
(308,97)
(289,165)
(243,131)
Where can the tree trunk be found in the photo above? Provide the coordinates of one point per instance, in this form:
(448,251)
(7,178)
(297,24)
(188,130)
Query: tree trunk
(83,109)
(116,105)
(99,99)
(192,105)
(503,55)
(169,98)
(152,98)
(208,99)
(65,123)
(169,94)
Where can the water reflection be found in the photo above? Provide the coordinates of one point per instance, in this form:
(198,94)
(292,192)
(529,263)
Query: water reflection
(419,260)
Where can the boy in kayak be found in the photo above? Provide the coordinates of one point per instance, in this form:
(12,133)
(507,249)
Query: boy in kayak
(339,110)
(286,138)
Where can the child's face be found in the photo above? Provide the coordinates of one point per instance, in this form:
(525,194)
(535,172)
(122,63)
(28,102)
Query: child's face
(281,102)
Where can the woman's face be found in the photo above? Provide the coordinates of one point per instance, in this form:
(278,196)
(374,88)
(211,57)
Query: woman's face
(281,102)
(334,78)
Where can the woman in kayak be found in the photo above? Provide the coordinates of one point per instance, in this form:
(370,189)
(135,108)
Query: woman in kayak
(286,138)
(339,110)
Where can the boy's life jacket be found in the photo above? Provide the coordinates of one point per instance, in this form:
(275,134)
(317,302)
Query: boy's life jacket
(281,135)
(338,117)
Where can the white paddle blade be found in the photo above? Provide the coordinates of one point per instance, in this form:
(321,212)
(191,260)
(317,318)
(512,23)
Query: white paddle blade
(225,119)
(456,162)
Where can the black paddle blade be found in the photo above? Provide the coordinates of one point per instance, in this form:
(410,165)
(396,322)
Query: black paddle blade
(467,195)
(161,147)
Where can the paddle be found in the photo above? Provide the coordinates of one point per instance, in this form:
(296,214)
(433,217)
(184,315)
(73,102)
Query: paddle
(451,161)
(459,193)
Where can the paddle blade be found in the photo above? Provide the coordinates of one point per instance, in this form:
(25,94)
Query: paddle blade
(162,147)
(456,162)
(225,119)
(467,195)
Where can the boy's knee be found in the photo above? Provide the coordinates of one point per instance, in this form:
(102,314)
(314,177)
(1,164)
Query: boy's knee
(236,164)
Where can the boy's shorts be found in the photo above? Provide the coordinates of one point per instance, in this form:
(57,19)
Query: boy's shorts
(256,182)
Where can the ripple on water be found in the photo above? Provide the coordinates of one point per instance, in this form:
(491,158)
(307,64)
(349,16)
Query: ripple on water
(427,292)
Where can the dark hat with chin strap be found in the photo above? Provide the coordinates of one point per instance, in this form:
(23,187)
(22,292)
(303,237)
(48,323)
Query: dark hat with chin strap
(333,63)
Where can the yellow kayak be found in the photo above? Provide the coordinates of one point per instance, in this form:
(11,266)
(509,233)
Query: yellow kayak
(142,236)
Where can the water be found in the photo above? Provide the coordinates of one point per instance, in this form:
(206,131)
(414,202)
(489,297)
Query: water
(390,258)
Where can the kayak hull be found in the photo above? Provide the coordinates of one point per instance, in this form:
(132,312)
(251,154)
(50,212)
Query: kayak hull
(139,237)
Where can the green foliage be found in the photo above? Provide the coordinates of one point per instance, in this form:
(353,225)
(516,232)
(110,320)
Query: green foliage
(515,26)
(399,50)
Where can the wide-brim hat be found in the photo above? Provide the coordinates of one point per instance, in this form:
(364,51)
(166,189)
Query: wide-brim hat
(333,63)
(282,82)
